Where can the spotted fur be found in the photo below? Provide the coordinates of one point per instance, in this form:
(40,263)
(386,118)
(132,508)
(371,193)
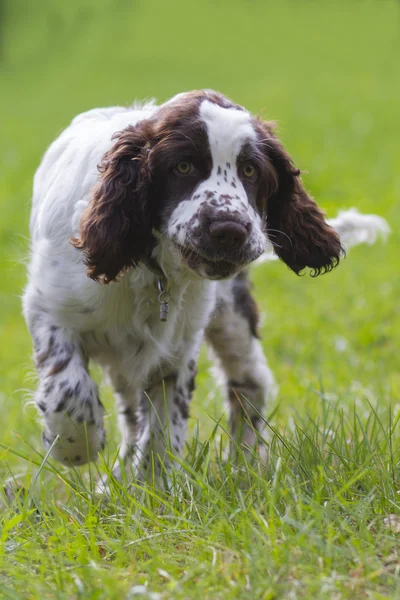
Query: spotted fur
(110,206)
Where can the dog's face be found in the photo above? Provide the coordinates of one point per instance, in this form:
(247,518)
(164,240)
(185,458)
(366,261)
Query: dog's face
(207,171)
(214,180)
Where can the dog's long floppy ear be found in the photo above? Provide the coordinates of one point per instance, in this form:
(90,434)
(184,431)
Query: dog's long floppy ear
(296,226)
(116,228)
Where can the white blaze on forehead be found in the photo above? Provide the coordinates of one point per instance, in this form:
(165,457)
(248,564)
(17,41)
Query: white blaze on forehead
(222,193)
(228,130)
(176,97)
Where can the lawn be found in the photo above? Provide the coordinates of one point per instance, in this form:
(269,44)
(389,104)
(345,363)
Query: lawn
(322,518)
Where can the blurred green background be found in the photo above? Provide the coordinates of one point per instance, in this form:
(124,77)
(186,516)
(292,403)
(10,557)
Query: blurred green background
(327,72)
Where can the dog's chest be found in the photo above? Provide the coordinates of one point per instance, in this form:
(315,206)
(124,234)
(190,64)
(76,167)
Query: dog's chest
(135,339)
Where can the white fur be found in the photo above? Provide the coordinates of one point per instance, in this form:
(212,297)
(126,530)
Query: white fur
(355,228)
(227,131)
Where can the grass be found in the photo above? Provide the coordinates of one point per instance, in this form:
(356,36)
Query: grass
(322,518)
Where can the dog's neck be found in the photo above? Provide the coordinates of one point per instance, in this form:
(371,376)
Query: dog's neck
(167,264)
(166,271)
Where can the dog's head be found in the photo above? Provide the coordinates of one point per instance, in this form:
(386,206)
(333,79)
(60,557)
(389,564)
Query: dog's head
(206,174)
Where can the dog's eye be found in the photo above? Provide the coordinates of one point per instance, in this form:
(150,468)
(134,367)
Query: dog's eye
(249,171)
(184,167)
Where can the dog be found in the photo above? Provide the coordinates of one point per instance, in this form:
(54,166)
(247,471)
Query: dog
(144,221)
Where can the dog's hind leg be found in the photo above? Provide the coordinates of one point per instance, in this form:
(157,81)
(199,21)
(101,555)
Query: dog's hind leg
(233,335)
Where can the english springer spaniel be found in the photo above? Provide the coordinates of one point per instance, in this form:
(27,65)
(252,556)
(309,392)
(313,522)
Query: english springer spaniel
(144,220)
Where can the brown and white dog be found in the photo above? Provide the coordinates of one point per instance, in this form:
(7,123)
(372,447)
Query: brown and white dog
(168,205)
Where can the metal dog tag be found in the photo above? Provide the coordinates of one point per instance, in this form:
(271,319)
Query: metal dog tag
(163,299)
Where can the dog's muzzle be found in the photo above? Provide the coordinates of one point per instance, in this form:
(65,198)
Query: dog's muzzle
(227,235)
(224,235)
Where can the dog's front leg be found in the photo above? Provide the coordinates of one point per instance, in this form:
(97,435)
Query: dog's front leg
(67,397)
(165,416)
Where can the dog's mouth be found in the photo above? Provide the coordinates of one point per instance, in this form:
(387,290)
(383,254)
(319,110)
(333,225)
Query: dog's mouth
(214,267)
(208,269)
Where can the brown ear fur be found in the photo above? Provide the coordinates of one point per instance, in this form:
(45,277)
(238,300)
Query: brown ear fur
(115,229)
(295,225)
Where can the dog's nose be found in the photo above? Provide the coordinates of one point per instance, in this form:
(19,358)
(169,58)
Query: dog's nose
(228,235)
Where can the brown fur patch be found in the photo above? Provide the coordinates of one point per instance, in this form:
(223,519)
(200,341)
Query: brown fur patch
(295,224)
(244,302)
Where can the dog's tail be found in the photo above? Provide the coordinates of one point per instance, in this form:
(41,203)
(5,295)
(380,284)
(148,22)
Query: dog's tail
(353,228)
